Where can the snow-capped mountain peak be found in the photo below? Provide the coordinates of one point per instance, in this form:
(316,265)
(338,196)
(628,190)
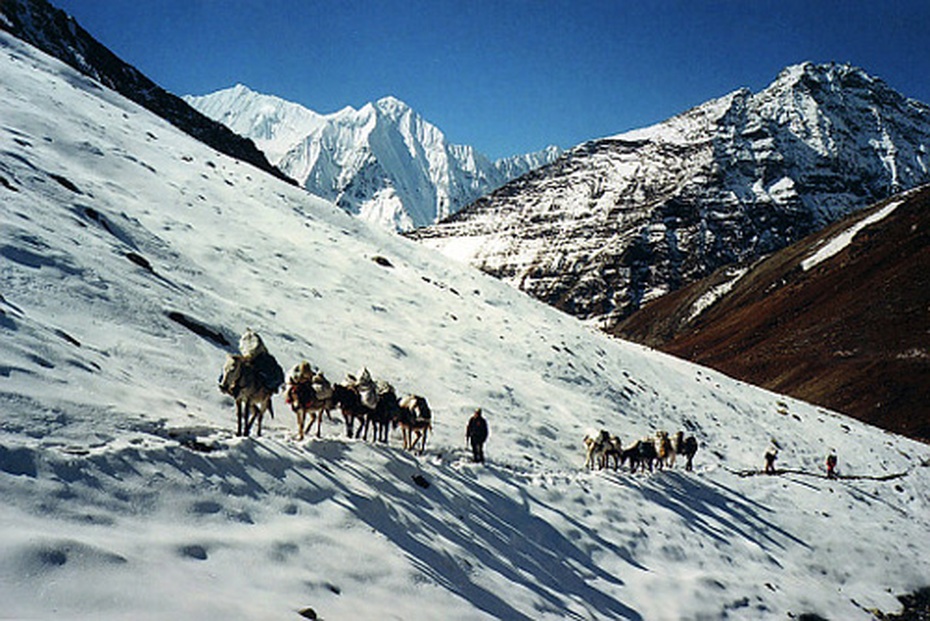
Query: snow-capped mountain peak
(274,124)
(393,107)
(383,162)
(622,220)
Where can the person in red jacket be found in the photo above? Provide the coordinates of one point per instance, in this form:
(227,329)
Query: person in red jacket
(476,432)
(831,466)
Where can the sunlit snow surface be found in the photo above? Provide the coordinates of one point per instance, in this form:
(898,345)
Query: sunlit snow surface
(126,495)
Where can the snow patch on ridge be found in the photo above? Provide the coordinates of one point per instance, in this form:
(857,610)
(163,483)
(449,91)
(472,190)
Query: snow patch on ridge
(709,298)
(838,243)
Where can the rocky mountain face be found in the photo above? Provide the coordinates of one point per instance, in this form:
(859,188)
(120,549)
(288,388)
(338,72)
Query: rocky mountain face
(620,221)
(838,319)
(56,33)
(383,162)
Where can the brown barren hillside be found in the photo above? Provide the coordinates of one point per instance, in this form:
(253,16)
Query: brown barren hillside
(851,333)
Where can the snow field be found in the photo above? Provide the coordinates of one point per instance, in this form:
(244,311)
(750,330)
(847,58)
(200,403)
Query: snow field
(126,494)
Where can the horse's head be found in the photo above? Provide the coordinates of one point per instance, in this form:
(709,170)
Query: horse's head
(232,371)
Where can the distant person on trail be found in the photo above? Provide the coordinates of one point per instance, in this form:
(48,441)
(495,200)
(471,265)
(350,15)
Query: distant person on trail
(770,456)
(476,433)
(831,466)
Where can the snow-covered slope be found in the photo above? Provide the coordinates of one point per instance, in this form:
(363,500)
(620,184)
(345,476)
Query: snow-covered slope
(383,162)
(125,494)
(620,221)
(55,32)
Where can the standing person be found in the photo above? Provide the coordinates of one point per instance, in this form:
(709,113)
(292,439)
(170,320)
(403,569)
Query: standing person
(770,456)
(476,433)
(831,466)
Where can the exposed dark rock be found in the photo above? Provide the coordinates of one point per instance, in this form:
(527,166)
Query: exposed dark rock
(200,329)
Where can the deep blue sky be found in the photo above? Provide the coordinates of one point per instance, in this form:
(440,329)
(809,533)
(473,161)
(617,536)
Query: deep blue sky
(509,76)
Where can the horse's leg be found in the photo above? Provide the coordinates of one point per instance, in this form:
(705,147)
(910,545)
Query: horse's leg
(248,418)
(238,417)
(260,412)
(310,417)
(256,418)
(301,417)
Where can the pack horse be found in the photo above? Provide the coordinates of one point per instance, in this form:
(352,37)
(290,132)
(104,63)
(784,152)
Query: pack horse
(251,378)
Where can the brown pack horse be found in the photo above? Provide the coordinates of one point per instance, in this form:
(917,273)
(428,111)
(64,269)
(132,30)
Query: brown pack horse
(242,380)
(307,402)
(415,420)
(348,401)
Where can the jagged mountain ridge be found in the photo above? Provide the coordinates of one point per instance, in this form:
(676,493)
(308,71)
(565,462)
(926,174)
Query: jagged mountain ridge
(619,221)
(55,32)
(383,162)
(838,319)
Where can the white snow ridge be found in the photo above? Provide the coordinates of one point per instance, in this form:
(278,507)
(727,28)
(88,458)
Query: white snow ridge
(132,256)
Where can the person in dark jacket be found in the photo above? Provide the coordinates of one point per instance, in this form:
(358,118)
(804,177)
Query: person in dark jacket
(770,456)
(476,433)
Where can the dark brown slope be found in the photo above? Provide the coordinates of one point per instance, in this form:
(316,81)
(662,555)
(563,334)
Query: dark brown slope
(851,334)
